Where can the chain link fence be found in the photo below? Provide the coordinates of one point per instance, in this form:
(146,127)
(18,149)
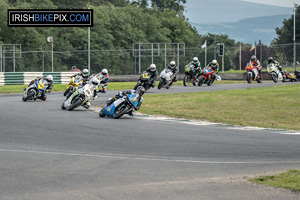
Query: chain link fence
(122,62)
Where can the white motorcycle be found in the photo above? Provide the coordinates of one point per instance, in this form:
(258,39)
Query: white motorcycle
(165,79)
(35,90)
(274,73)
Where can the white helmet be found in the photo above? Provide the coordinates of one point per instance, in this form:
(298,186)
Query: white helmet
(172,64)
(104,71)
(214,62)
(85,73)
(152,67)
(50,78)
(95,81)
(195,59)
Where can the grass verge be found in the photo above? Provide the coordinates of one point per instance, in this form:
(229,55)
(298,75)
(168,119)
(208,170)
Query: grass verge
(288,180)
(272,107)
(111,86)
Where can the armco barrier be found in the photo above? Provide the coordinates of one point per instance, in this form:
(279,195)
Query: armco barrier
(2,78)
(13,78)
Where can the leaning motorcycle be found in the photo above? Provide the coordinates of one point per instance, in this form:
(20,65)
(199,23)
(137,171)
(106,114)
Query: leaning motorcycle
(122,106)
(190,75)
(274,73)
(253,74)
(79,98)
(165,79)
(144,81)
(35,90)
(207,77)
(289,77)
(73,84)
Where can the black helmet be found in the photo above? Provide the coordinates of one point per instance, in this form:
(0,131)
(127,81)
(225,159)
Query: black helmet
(140,90)
(270,59)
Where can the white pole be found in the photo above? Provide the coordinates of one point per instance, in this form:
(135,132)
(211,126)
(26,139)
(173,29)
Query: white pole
(205,53)
(294,36)
(52,54)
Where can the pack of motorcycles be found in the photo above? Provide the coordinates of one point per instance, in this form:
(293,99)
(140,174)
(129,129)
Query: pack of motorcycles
(78,94)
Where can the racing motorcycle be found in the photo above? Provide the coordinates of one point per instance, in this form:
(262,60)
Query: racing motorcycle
(165,79)
(144,81)
(207,77)
(80,97)
(190,75)
(127,104)
(35,90)
(289,77)
(252,74)
(274,73)
(297,74)
(73,84)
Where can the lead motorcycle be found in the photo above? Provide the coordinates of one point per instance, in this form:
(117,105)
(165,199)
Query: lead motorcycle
(124,105)
(34,91)
(253,74)
(165,79)
(82,96)
(274,73)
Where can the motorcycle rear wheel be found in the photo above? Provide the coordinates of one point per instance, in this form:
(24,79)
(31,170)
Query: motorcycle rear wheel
(120,111)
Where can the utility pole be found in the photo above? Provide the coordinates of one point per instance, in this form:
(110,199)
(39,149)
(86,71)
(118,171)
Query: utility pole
(294,36)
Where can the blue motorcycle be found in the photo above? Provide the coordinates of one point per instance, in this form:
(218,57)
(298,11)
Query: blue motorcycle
(126,104)
(35,90)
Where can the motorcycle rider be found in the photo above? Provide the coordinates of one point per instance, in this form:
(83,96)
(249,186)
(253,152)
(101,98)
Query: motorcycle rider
(138,94)
(103,77)
(271,60)
(215,66)
(173,68)
(94,84)
(255,62)
(84,76)
(153,73)
(49,80)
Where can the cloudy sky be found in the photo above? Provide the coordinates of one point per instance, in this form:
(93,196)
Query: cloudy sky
(285,3)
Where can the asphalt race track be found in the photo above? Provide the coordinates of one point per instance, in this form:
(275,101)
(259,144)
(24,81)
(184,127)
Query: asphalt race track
(49,153)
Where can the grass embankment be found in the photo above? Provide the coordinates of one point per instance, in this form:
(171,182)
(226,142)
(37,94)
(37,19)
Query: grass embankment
(272,107)
(289,180)
(111,86)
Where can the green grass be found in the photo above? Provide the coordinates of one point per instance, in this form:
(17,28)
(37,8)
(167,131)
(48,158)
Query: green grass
(272,107)
(111,86)
(288,180)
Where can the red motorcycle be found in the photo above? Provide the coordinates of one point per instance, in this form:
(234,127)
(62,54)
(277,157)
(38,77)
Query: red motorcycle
(207,76)
(253,74)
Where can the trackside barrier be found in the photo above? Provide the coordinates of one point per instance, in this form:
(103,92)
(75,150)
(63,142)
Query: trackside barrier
(20,78)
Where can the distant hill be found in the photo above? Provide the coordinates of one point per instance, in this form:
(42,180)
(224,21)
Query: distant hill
(242,21)
(246,30)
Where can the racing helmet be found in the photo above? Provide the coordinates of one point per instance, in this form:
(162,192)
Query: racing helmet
(253,57)
(172,64)
(50,78)
(104,71)
(85,73)
(195,60)
(270,59)
(214,62)
(95,81)
(152,67)
(140,90)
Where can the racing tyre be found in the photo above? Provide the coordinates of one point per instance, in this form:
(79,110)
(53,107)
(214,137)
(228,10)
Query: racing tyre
(101,113)
(249,78)
(75,105)
(136,86)
(161,84)
(120,111)
(274,77)
(63,106)
(67,91)
(186,80)
(201,80)
(28,96)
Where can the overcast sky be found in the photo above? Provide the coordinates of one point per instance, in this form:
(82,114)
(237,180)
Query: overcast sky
(285,3)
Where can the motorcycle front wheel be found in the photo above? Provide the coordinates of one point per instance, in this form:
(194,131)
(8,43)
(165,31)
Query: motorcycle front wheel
(101,113)
(161,83)
(186,80)
(136,86)
(249,78)
(201,81)
(28,96)
(75,104)
(120,111)
(274,77)
(67,91)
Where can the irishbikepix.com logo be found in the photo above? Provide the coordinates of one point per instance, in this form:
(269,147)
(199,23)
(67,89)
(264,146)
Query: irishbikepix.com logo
(53,18)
